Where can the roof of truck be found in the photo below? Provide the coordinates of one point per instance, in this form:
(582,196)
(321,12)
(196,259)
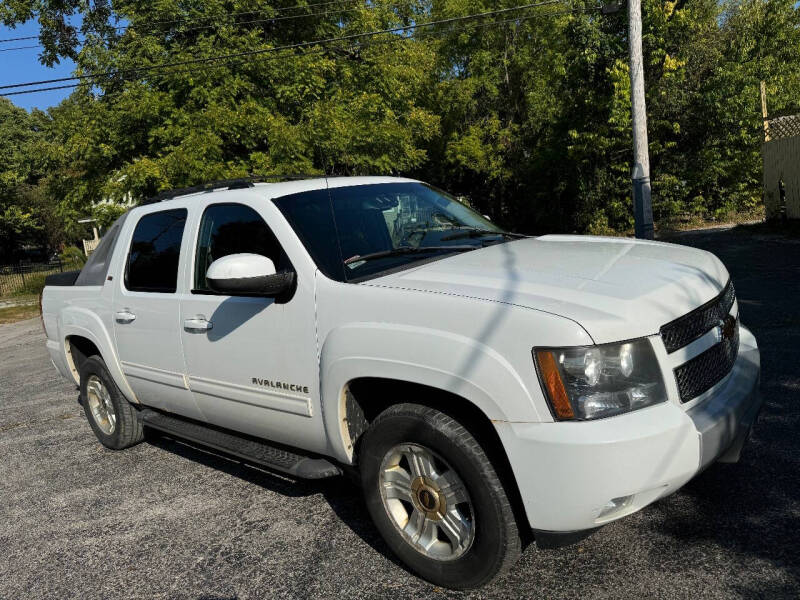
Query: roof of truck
(276,189)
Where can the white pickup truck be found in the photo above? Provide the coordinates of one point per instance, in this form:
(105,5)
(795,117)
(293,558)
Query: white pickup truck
(484,386)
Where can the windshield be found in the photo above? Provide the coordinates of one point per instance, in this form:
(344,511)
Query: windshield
(361,231)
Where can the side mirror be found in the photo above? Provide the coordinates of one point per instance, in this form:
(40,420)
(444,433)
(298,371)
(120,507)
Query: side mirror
(247,275)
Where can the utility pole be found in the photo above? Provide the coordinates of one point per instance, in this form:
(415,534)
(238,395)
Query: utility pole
(764,110)
(642,203)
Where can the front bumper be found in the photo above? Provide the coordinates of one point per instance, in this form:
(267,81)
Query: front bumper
(568,472)
(725,419)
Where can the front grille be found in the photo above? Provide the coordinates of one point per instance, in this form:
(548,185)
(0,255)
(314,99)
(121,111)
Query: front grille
(707,369)
(691,326)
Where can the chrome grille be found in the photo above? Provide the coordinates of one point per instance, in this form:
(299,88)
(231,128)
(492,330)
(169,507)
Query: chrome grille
(708,368)
(691,326)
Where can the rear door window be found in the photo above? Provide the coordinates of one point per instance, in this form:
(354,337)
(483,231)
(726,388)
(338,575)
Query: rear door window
(155,251)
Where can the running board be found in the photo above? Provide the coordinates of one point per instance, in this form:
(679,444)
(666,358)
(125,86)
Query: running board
(256,451)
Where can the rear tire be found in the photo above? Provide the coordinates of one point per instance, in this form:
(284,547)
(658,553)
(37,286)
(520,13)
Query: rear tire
(111,416)
(436,498)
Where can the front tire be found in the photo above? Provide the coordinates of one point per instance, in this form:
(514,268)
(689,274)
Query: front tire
(436,498)
(111,416)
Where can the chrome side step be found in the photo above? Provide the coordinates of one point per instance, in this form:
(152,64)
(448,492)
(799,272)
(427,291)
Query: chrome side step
(249,449)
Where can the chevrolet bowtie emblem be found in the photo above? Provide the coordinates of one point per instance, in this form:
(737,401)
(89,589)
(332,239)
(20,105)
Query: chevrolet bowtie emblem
(726,328)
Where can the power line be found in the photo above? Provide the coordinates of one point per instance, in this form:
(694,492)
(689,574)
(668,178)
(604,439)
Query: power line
(272,19)
(359,46)
(19,48)
(47,89)
(335,11)
(19,39)
(235,24)
(294,46)
(277,9)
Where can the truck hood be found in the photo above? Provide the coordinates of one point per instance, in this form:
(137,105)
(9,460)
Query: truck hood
(616,288)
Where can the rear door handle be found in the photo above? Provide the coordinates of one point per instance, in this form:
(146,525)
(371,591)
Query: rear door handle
(197,324)
(125,316)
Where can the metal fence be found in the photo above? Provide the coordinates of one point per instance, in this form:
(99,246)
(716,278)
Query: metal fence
(28,278)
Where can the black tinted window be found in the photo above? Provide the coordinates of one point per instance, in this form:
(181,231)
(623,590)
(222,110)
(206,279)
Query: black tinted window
(155,250)
(233,229)
(311,217)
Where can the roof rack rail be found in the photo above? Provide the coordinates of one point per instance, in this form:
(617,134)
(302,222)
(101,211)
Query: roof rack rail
(231,184)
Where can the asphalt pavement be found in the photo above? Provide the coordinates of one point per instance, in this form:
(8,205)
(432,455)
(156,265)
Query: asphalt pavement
(168,520)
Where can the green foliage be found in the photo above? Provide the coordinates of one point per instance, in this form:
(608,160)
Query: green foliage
(16,228)
(529,121)
(28,215)
(106,213)
(72,255)
(16,132)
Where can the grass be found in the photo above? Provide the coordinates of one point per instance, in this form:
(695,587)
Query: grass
(694,222)
(789,228)
(22,299)
(18,313)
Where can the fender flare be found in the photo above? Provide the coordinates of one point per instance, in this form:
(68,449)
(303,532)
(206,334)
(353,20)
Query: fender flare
(438,359)
(81,322)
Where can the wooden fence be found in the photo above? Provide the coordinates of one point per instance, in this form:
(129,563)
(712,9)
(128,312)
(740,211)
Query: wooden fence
(781,155)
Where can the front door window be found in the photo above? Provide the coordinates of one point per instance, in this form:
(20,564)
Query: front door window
(233,229)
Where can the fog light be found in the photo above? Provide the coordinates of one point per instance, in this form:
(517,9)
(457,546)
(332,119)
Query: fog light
(615,505)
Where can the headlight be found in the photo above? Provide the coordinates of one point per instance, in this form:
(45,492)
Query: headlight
(592,382)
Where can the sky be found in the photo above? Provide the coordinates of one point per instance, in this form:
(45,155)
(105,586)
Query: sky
(19,66)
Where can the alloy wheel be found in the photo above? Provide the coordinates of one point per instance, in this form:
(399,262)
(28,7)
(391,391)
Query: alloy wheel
(427,501)
(100,405)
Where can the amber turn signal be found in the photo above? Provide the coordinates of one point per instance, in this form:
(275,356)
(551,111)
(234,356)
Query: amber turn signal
(551,378)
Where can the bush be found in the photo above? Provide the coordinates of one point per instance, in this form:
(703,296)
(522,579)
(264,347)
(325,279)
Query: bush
(73,256)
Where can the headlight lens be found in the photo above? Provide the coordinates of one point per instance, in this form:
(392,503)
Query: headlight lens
(592,382)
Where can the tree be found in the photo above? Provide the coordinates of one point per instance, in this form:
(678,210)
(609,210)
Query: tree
(106,213)
(18,224)
(16,134)
(530,120)
(336,110)
(16,228)
(59,35)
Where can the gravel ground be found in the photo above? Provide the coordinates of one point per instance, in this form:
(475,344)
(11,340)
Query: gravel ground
(167,520)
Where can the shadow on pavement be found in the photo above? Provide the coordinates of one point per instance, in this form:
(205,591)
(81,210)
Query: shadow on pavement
(341,493)
(751,508)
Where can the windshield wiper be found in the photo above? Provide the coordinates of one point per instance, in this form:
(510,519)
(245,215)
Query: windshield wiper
(408,250)
(473,233)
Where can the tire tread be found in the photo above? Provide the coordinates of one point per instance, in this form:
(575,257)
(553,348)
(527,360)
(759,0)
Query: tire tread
(130,430)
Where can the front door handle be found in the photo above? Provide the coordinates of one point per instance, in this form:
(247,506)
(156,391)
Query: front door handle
(197,324)
(124,316)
